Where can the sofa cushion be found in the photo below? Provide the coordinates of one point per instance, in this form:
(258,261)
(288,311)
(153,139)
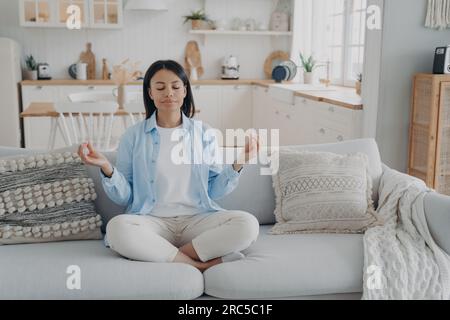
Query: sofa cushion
(42,270)
(46,196)
(279,266)
(255,194)
(323,192)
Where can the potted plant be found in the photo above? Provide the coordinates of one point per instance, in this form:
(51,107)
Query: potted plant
(196,17)
(31,71)
(308,65)
(358,83)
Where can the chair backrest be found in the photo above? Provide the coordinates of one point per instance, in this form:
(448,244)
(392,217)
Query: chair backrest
(92,96)
(90,116)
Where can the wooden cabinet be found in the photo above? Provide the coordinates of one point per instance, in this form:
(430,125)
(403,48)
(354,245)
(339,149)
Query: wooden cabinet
(429,143)
(105,14)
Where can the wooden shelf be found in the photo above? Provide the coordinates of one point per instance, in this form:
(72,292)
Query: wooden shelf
(241,33)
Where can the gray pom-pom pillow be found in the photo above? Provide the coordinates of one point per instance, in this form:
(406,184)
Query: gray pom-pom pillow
(47,197)
(323,192)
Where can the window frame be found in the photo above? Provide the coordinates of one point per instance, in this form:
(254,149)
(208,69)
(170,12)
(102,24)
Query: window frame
(346,45)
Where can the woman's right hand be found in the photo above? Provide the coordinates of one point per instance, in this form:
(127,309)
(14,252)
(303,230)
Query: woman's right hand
(95,158)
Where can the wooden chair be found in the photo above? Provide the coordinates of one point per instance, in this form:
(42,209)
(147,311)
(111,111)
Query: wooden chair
(87,117)
(135,108)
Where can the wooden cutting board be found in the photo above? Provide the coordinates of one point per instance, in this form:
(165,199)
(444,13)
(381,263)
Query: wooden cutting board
(193,58)
(89,58)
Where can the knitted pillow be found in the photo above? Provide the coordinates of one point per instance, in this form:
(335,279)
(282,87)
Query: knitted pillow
(46,197)
(322,192)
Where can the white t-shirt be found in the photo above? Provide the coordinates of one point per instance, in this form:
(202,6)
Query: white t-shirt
(174,195)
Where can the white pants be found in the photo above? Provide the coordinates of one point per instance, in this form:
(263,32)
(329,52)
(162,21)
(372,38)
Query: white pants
(154,239)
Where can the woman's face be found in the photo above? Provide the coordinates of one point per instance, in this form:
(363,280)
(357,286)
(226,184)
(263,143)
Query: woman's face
(167,91)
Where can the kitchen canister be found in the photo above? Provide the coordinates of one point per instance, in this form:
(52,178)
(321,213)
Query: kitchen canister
(81,71)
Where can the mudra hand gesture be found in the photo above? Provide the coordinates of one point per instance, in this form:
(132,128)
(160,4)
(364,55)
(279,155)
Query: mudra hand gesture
(94,158)
(250,151)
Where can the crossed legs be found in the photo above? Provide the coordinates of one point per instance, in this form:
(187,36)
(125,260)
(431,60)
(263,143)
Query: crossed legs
(205,237)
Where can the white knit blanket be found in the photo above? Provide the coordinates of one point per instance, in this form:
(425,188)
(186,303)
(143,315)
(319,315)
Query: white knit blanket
(401,260)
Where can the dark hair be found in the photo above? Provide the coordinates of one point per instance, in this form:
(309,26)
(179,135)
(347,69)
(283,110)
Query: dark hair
(188,107)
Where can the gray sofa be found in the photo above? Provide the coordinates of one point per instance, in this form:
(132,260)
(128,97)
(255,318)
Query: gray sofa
(301,266)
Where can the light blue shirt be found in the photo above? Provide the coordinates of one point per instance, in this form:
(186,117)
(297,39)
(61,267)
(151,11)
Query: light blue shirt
(133,181)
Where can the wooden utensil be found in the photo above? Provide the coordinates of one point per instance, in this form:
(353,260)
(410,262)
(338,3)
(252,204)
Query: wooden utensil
(193,58)
(89,58)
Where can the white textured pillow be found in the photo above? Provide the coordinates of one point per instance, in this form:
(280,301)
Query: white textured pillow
(45,197)
(323,192)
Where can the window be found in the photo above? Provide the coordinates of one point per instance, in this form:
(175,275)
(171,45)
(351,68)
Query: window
(338,30)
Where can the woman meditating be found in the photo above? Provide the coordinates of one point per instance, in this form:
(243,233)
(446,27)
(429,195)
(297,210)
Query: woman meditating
(171,215)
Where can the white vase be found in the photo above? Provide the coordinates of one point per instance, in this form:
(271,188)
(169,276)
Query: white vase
(194,74)
(308,77)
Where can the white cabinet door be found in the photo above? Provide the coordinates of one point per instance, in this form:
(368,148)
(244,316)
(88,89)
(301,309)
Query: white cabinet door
(331,123)
(288,121)
(207,105)
(261,108)
(304,115)
(37,129)
(236,107)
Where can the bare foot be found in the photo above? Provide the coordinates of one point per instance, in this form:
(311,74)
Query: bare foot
(202,266)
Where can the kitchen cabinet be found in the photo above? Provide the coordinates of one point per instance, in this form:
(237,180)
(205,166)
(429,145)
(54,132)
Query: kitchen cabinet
(236,107)
(207,101)
(105,14)
(330,123)
(224,107)
(303,121)
(63,16)
(289,120)
(37,13)
(260,114)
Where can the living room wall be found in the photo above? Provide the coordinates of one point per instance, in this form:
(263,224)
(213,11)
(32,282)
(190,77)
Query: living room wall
(407,48)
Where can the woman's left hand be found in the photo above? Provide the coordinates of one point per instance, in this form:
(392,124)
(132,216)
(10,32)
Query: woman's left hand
(250,151)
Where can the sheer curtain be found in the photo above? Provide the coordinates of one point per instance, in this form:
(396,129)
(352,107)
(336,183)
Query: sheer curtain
(310,35)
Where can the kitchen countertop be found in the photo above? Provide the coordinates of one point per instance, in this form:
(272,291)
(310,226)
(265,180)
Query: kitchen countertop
(342,96)
(56,82)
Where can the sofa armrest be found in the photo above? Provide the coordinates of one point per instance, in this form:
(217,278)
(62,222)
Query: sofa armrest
(437,213)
